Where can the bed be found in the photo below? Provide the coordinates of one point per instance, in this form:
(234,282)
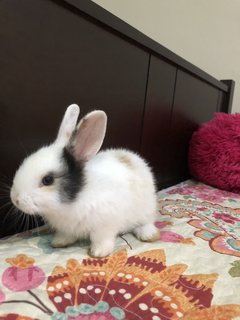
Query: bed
(58,52)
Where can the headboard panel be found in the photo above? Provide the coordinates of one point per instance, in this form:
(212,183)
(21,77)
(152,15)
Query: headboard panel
(57,52)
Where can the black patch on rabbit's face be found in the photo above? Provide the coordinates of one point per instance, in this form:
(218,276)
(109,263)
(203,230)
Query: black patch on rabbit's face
(72,181)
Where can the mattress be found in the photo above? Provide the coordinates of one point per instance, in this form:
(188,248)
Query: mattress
(191,272)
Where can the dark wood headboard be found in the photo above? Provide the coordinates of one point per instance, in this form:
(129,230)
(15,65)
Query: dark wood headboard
(56,52)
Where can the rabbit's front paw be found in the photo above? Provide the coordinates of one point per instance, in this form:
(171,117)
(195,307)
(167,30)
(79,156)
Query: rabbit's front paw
(102,249)
(147,233)
(61,241)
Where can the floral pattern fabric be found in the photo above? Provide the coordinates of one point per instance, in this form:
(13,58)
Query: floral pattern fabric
(191,272)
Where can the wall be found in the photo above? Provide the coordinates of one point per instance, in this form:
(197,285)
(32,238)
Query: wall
(206,33)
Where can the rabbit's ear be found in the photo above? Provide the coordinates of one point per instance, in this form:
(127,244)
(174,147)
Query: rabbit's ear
(68,124)
(89,135)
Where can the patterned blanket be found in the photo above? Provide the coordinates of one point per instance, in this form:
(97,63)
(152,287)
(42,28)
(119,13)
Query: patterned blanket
(192,272)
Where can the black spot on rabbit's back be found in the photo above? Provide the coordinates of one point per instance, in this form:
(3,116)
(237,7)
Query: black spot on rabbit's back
(72,181)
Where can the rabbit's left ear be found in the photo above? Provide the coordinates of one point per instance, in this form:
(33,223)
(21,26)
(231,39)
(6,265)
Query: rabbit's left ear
(68,124)
(89,135)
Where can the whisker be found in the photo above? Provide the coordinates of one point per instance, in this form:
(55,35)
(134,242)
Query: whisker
(35,222)
(6,182)
(5,197)
(5,185)
(18,215)
(28,224)
(14,215)
(3,176)
(5,188)
(5,205)
(7,214)
(4,193)
(22,223)
(36,219)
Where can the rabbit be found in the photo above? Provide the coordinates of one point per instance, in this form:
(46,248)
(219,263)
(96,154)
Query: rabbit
(83,193)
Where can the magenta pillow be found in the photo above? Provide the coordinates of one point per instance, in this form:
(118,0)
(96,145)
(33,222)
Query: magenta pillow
(214,152)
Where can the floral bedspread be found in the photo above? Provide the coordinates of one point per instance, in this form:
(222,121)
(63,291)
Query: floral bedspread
(192,272)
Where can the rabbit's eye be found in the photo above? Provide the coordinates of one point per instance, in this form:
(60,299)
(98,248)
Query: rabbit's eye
(47,180)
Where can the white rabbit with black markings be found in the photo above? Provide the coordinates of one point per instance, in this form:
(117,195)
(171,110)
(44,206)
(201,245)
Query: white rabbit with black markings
(82,193)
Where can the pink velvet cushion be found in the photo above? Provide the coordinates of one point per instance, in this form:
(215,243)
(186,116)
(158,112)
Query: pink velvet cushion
(214,153)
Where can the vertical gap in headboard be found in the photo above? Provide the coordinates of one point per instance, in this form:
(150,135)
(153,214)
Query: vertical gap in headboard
(173,99)
(144,104)
(219,101)
(227,106)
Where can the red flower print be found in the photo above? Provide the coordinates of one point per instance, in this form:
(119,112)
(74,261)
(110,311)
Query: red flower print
(169,236)
(226,217)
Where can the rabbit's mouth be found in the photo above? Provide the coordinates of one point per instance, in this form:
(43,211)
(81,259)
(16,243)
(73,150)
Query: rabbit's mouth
(24,203)
(31,210)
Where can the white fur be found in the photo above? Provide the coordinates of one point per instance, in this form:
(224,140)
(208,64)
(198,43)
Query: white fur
(118,196)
